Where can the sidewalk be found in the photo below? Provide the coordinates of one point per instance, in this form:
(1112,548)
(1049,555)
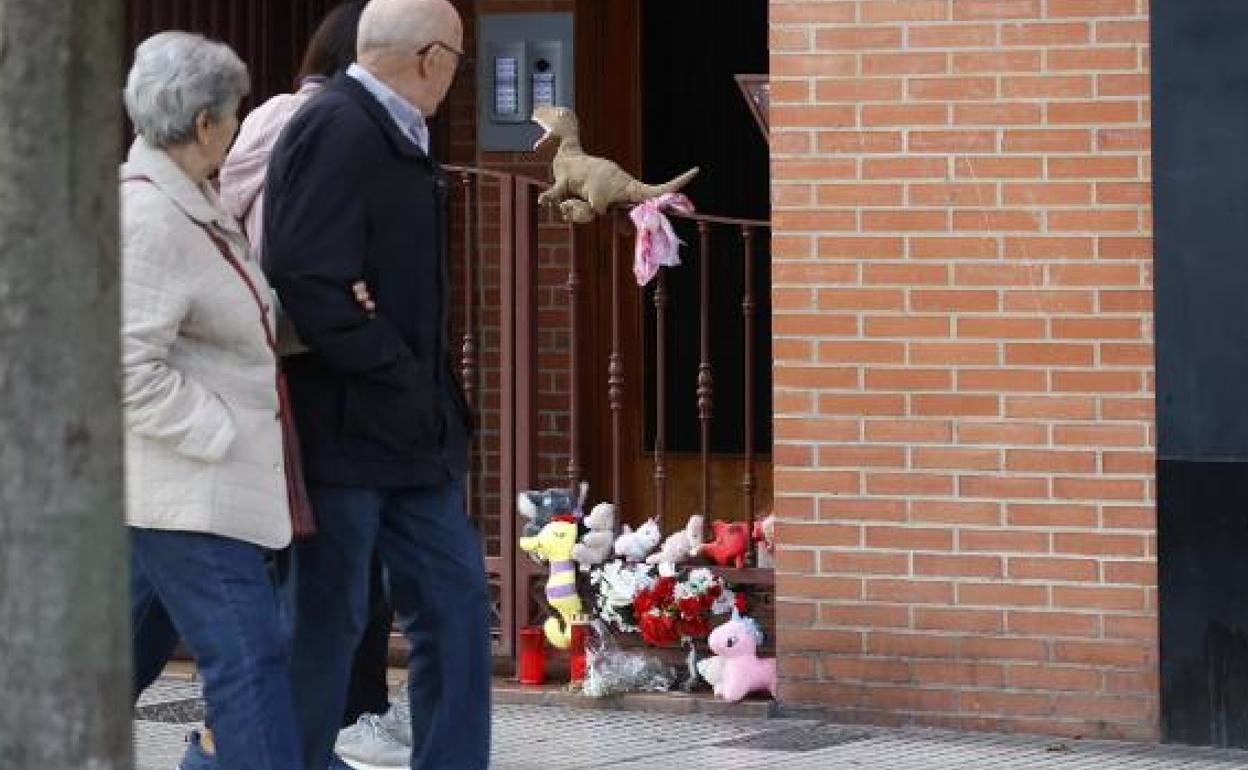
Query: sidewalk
(562,738)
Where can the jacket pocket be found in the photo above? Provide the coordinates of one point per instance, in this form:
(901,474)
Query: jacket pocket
(402,415)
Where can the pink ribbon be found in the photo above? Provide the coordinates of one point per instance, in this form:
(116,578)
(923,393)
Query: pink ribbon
(657,245)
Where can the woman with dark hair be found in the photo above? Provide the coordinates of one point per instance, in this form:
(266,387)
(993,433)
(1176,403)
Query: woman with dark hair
(330,52)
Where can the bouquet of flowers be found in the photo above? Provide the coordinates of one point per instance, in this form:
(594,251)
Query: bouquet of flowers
(664,609)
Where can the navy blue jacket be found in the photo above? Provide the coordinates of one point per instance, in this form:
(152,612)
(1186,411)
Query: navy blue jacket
(350,198)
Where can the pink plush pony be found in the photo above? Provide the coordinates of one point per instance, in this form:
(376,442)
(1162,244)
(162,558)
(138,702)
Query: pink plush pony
(738,671)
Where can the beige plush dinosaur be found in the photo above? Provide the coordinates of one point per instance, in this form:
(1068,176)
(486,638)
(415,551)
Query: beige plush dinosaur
(586,186)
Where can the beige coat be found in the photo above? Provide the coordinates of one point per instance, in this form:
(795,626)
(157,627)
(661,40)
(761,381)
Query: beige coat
(203,439)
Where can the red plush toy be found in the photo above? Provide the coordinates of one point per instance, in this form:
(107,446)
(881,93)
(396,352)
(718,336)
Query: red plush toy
(732,541)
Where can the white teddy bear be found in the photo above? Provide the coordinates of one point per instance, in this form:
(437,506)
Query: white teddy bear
(635,546)
(595,544)
(679,546)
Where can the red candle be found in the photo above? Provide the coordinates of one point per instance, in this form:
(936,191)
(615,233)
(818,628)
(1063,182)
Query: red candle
(576,665)
(532,655)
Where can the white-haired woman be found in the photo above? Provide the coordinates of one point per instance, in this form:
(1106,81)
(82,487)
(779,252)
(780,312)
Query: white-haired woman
(205,467)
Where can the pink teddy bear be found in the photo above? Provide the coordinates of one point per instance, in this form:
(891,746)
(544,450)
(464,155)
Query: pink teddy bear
(738,671)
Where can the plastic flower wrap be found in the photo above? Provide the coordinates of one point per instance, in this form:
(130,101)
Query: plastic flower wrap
(611,671)
(615,587)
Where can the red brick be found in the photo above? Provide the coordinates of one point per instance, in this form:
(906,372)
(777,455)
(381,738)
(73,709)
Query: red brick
(817,13)
(996,9)
(1126,354)
(1129,517)
(951,36)
(994,487)
(908,379)
(952,141)
(1051,461)
(849,38)
(857,562)
(1098,544)
(908,483)
(820,640)
(861,403)
(1100,435)
(912,10)
(1100,597)
(1093,58)
(858,142)
(997,220)
(1096,112)
(856,89)
(1000,274)
(870,616)
(1051,515)
(958,566)
(1122,31)
(1049,301)
(1101,653)
(1056,624)
(813,116)
(960,620)
(1125,85)
(908,274)
(812,272)
(1000,327)
(864,299)
(1118,247)
(995,167)
(819,587)
(1056,193)
(1127,409)
(953,300)
(1138,628)
(957,511)
(908,430)
(953,247)
(1037,353)
(1057,407)
(1001,380)
(1045,34)
(1125,301)
(1046,86)
(1093,221)
(862,509)
(954,353)
(817,481)
(1061,570)
(803,65)
(1120,139)
(909,591)
(1008,649)
(1002,540)
(814,220)
(1007,433)
(905,168)
(1053,678)
(999,114)
(1046,140)
(997,61)
(1097,382)
(952,89)
(955,405)
(825,168)
(1097,328)
(859,247)
(1048,247)
(1131,572)
(955,458)
(855,456)
(1124,193)
(903,63)
(817,534)
(989,702)
(969,674)
(1002,594)
(865,669)
(1111,8)
(1093,167)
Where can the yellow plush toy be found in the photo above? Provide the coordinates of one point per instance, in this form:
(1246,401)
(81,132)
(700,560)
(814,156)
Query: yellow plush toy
(554,544)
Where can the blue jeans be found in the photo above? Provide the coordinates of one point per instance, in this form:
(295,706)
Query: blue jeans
(216,593)
(436,577)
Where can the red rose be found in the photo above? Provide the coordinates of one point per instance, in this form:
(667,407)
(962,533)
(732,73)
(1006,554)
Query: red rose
(715,590)
(738,600)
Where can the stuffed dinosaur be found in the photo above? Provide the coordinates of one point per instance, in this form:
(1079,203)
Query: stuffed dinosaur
(599,537)
(554,544)
(585,185)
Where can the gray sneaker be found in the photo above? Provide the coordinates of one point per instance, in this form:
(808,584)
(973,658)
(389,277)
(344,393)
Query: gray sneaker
(378,742)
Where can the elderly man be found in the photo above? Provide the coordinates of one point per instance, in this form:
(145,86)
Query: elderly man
(353,195)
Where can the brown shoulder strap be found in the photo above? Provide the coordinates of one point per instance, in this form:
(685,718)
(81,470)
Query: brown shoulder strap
(224,248)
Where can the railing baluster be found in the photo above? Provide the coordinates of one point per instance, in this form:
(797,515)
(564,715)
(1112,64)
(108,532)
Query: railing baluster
(574,297)
(705,381)
(660,397)
(747,316)
(615,369)
(468,352)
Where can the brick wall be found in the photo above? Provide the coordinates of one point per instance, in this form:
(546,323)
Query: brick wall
(963,374)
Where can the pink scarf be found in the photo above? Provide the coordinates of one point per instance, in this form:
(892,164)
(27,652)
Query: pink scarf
(657,245)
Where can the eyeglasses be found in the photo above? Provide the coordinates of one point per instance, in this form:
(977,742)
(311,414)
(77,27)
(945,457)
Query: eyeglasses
(459,55)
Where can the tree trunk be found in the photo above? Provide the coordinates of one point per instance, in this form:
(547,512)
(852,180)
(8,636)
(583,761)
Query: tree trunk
(64,634)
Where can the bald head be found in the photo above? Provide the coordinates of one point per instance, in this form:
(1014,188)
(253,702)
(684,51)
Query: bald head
(389,24)
(414,46)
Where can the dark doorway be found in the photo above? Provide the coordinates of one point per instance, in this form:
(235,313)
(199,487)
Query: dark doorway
(1200,122)
(693,115)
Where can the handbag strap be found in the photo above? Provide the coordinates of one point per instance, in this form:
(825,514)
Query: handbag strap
(224,248)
